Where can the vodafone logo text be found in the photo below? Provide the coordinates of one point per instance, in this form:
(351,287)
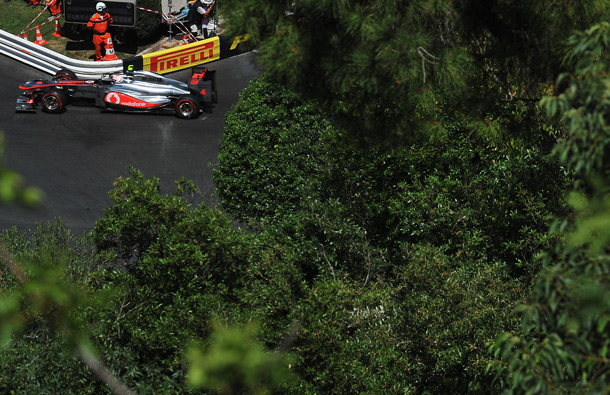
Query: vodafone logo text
(120,99)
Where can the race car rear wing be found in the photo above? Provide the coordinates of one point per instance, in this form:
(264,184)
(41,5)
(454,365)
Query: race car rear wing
(203,82)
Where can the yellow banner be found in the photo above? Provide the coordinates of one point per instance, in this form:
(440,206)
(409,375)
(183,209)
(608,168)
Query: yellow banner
(183,57)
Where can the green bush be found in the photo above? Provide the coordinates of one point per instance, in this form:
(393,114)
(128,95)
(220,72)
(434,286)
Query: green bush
(179,269)
(272,153)
(37,356)
(38,363)
(427,332)
(438,233)
(477,201)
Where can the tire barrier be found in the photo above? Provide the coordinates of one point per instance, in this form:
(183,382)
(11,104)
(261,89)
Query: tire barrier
(162,62)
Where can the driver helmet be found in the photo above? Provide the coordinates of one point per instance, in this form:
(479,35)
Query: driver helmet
(207,2)
(100,6)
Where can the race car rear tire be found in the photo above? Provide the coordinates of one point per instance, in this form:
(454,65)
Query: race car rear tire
(187,107)
(54,101)
(65,74)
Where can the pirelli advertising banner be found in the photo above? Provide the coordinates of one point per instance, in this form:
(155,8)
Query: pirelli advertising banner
(183,56)
(189,55)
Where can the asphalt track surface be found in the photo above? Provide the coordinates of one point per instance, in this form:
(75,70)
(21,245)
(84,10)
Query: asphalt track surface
(74,157)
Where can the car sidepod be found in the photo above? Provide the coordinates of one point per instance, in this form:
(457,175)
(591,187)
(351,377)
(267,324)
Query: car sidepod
(143,91)
(128,100)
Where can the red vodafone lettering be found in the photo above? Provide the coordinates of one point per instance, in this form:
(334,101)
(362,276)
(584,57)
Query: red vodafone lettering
(123,100)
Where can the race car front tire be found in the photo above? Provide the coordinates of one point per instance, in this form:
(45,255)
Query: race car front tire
(187,107)
(54,101)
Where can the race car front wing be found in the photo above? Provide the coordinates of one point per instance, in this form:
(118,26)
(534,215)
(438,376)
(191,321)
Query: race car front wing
(25,103)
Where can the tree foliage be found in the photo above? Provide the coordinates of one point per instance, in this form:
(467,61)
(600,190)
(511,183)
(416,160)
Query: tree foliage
(564,345)
(235,363)
(274,146)
(157,282)
(470,198)
(43,286)
(183,268)
(395,68)
(428,239)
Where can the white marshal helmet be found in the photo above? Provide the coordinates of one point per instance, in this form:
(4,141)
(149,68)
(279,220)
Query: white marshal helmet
(100,6)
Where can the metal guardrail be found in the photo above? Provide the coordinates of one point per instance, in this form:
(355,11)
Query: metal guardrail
(50,61)
(164,61)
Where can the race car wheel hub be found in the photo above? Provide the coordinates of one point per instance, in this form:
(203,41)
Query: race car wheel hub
(51,102)
(186,109)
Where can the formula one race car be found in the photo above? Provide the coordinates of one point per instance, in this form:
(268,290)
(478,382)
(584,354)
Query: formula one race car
(132,91)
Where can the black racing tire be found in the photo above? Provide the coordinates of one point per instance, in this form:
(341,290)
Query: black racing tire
(187,107)
(65,74)
(54,101)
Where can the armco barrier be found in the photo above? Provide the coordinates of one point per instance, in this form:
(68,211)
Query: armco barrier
(50,61)
(162,62)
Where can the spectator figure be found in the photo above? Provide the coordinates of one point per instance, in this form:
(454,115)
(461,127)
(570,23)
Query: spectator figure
(199,16)
(55,10)
(99,23)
